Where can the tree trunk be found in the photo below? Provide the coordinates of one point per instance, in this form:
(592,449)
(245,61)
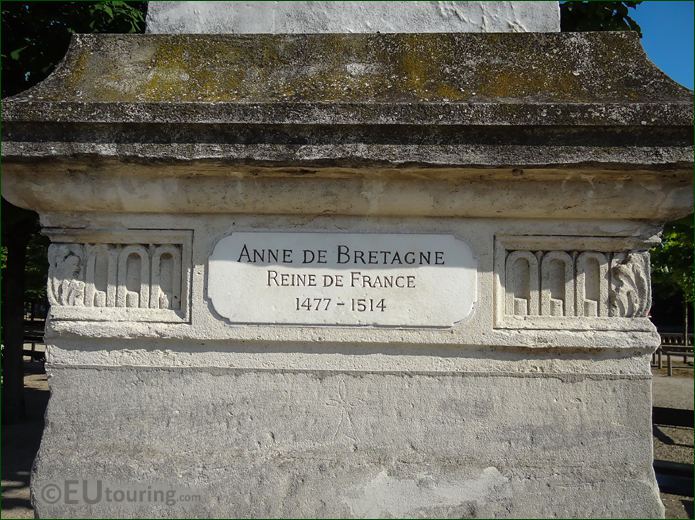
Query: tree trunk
(13,328)
(18,227)
(686,304)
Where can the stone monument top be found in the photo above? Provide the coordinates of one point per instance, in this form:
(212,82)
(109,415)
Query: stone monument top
(322,101)
(352,17)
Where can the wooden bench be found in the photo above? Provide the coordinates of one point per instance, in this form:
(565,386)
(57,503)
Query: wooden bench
(673,344)
(675,350)
(33,333)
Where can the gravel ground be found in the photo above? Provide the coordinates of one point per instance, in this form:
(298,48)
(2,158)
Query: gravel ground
(674,443)
(20,442)
(675,391)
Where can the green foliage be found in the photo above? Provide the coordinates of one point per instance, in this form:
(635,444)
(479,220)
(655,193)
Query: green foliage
(672,261)
(35,269)
(35,35)
(598,16)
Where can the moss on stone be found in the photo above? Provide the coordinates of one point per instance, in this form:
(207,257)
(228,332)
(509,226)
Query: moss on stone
(512,71)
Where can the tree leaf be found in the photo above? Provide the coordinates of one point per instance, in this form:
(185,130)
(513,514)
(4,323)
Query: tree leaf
(14,55)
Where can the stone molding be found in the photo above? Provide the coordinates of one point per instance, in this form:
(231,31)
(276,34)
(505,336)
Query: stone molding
(132,275)
(278,124)
(199,188)
(565,282)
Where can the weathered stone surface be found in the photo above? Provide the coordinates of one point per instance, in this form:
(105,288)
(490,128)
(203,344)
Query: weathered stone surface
(424,112)
(354,444)
(554,157)
(476,420)
(214,187)
(197,322)
(351,17)
(598,79)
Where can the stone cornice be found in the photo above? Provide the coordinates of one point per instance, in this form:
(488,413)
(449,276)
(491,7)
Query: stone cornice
(439,119)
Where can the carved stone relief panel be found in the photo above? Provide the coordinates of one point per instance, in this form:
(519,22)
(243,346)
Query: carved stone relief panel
(134,275)
(551,282)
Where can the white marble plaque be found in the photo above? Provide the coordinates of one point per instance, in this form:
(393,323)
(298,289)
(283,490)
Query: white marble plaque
(392,280)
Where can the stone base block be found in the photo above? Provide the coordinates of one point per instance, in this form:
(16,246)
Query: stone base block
(270,443)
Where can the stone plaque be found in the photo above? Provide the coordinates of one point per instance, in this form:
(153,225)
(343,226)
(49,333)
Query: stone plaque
(393,280)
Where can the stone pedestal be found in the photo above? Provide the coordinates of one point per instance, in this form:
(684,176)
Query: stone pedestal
(528,175)
(330,16)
